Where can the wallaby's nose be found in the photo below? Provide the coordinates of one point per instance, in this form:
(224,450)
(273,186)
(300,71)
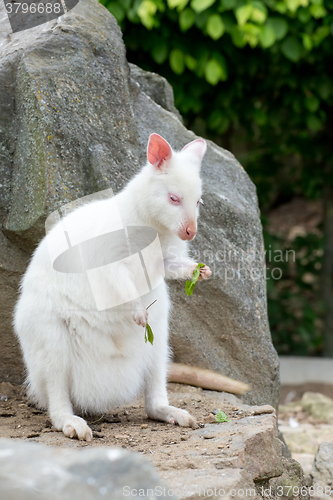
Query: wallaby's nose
(190,233)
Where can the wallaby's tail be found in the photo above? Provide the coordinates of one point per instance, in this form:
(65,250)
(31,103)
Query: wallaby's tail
(207,379)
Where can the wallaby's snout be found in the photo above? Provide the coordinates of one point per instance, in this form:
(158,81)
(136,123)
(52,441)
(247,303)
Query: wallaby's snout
(190,233)
(187,231)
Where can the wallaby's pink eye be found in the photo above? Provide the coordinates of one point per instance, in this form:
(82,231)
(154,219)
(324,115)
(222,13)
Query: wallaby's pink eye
(174,199)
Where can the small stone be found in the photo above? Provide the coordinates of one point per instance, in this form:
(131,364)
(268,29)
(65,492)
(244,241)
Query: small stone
(8,413)
(209,435)
(98,434)
(261,410)
(120,436)
(33,434)
(112,419)
(210,419)
(96,428)
(144,426)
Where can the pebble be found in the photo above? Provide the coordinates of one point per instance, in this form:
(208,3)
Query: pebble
(144,426)
(210,419)
(98,434)
(8,413)
(112,419)
(261,410)
(209,435)
(33,434)
(120,436)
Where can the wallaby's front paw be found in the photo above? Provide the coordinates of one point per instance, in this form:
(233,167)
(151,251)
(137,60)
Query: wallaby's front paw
(205,272)
(77,427)
(140,317)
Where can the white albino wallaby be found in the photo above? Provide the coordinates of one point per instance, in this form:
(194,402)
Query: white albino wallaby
(94,360)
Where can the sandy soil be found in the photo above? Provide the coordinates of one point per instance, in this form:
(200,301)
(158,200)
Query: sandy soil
(168,447)
(129,427)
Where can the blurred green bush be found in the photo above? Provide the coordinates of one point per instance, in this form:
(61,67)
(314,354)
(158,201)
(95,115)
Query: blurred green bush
(256,77)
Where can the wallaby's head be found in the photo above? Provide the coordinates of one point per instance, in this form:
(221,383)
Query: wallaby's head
(175,185)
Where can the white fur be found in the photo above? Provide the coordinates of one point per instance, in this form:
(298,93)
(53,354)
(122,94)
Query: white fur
(94,360)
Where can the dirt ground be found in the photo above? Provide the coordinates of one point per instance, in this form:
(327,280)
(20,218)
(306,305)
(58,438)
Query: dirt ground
(169,447)
(128,426)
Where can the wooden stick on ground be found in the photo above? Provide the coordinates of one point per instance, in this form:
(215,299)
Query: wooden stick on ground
(207,379)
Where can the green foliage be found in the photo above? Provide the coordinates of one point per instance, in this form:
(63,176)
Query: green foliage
(215,26)
(264,58)
(253,72)
(221,417)
(149,336)
(294,309)
(190,285)
(177,61)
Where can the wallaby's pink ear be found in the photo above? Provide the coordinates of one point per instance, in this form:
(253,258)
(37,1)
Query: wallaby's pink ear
(197,147)
(159,150)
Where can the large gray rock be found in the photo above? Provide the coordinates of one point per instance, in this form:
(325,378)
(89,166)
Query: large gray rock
(322,471)
(74,121)
(29,471)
